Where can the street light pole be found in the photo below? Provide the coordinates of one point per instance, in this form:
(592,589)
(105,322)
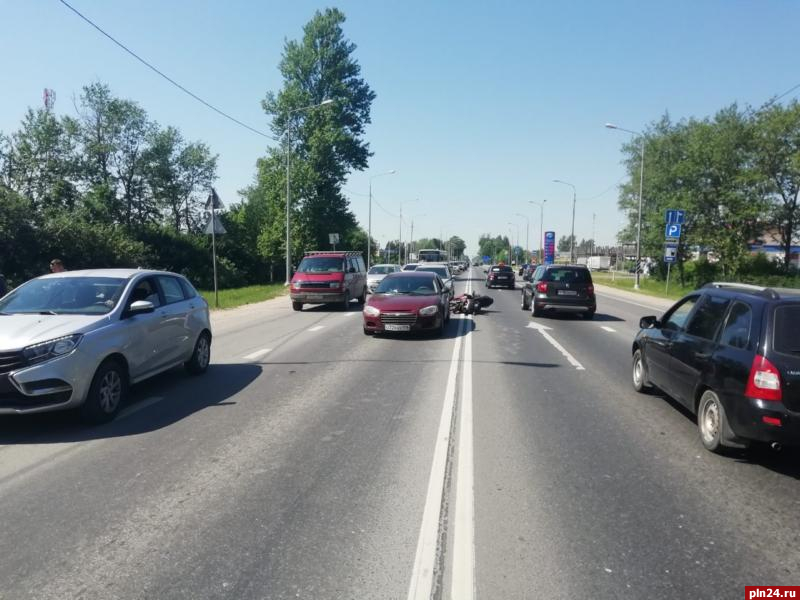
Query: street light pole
(288,183)
(572,234)
(400,239)
(527,234)
(541,228)
(369,222)
(641,187)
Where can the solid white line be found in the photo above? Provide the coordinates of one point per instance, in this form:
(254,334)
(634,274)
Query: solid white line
(257,354)
(462,582)
(421,584)
(626,301)
(316,328)
(606,328)
(134,408)
(578,366)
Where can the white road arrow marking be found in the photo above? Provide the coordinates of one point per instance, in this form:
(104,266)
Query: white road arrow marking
(257,354)
(543,329)
(607,328)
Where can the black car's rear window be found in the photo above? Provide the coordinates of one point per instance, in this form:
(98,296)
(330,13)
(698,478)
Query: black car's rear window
(787,329)
(504,269)
(567,275)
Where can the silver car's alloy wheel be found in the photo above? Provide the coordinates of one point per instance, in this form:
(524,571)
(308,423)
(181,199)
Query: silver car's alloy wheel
(203,352)
(110,391)
(637,371)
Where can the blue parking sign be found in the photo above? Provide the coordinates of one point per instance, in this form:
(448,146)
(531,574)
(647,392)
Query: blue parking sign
(672,230)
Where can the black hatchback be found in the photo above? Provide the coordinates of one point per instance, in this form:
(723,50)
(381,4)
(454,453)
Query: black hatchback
(562,288)
(730,353)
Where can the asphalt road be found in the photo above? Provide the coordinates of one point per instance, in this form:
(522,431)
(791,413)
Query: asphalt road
(311,461)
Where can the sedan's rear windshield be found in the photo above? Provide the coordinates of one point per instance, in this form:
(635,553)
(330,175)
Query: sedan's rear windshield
(65,296)
(423,286)
(568,275)
(440,271)
(320,264)
(787,329)
(504,269)
(382,270)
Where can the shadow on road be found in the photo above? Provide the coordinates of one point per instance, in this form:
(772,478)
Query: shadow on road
(182,396)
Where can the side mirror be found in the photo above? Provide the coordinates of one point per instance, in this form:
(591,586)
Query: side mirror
(648,322)
(140,307)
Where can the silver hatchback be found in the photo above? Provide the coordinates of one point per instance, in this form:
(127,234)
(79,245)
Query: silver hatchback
(78,339)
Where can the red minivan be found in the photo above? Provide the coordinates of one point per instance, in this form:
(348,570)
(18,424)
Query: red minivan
(329,278)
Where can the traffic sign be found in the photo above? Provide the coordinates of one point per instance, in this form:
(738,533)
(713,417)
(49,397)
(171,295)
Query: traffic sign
(333,238)
(214,201)
(670,253)
(672,231)
(675,216)
(215,226)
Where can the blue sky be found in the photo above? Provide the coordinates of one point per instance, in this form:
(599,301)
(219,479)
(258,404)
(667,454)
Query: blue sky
(480,105)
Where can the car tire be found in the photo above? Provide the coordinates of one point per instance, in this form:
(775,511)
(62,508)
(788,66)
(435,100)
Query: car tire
(536,312)
(639,373)
(201,356)
(362,299)
(712,422)
(346,302)
(525,305)
(589,315)
(107,393)
(439,331)
(297,306)
(368,332)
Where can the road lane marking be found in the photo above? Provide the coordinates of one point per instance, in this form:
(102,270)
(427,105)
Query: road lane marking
(606,328)
(257,354)
(316,328)
(350,314)
(618,299)
(425,559)
(543,330)
(462,582)
(134,408)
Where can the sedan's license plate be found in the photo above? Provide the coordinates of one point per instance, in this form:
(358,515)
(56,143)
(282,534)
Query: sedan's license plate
(392,327)
(502,277)
(567,293)
(314,298)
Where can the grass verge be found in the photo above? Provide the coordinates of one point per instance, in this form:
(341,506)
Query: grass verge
(245,295)
(647,286)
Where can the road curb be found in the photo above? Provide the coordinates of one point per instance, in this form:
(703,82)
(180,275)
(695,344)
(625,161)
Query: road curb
(644,299)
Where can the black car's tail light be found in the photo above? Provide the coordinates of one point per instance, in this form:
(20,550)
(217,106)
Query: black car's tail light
(764,382)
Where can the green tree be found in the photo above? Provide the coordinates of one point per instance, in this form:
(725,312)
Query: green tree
(565,243)
(456,246)
(325,144)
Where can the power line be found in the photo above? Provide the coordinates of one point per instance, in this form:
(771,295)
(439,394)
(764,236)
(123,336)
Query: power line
(172,81)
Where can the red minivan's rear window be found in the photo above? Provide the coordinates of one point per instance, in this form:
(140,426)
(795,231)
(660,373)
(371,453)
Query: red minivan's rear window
(787,329)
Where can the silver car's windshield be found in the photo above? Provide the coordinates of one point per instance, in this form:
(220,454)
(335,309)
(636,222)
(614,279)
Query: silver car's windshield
(65,296)
(440,271)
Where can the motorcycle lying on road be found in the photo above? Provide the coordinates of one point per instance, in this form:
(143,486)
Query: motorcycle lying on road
(469,304)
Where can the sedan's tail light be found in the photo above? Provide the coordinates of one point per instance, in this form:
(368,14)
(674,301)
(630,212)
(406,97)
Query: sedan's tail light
(764,382)
(590,290)
(541,287)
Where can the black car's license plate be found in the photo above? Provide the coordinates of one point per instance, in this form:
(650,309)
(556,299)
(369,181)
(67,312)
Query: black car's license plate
(567,293)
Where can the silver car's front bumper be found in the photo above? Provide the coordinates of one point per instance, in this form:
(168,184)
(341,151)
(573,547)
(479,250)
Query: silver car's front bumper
(56,384)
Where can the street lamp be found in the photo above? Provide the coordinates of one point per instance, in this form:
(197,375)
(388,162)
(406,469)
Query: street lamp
(641,186)
(527,234)
(288,187)
(411,241)
(369,226)
(516,244)
(541,228)
(572,235)
(400,239)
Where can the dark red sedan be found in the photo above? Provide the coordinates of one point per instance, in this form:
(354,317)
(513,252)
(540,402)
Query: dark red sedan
(408,301)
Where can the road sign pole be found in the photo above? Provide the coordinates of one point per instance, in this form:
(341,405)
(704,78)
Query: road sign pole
(214,252)
(669,265)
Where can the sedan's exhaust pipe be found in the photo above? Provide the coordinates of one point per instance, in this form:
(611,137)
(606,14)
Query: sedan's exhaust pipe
(776,446)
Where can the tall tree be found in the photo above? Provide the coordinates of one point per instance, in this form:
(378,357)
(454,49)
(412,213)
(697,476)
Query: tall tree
(325,144)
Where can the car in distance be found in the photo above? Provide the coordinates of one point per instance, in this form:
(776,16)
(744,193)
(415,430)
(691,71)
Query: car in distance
(501,276)
(444,273)
(729,353)
(79,339)
(528,287)
(408,301)
(564,288)
(410,267)
(376,274)
(329,278)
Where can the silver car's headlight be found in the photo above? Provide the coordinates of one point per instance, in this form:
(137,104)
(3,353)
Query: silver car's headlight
(371,311)
(428,311)
(51,349)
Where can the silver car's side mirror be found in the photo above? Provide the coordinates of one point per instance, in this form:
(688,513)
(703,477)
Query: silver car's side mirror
(140,307)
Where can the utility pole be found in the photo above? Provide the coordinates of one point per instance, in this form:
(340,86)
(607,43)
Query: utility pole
(594,216)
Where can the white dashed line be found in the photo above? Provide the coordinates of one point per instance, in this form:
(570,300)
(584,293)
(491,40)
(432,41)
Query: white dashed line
(134,408)
(316,328)
(606,328)
(257,354)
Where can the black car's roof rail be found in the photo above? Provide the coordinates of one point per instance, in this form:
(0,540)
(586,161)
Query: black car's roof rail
(332,252)
(758,290)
